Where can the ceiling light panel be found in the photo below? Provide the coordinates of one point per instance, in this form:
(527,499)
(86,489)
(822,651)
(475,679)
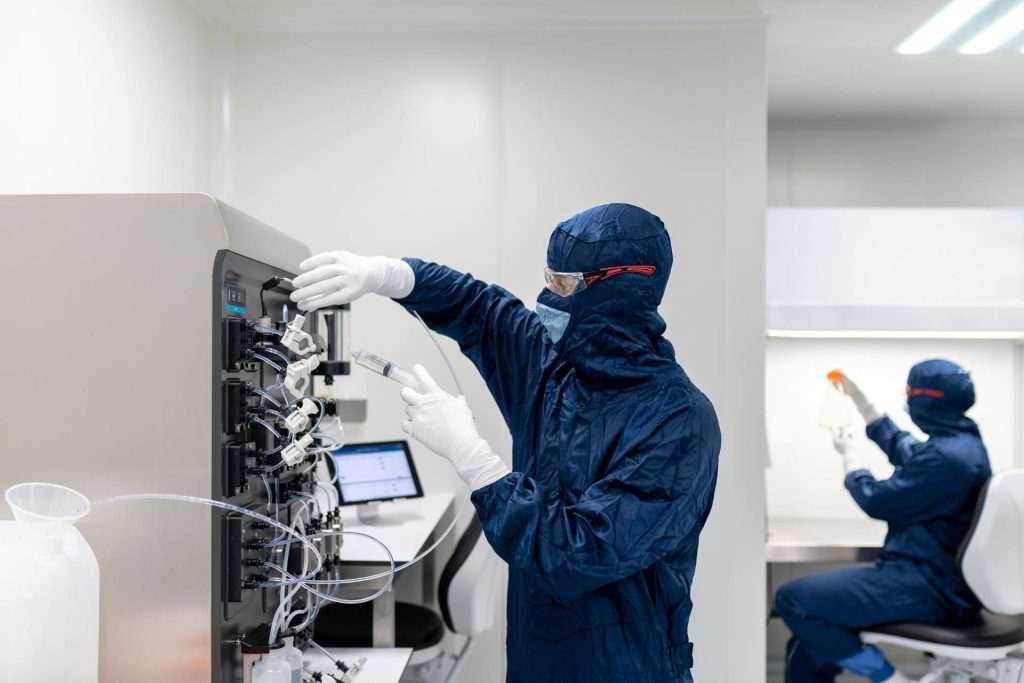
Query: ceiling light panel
(970,27)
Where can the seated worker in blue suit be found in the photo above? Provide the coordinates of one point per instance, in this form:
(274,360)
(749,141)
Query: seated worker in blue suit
(615,451)
(929,503)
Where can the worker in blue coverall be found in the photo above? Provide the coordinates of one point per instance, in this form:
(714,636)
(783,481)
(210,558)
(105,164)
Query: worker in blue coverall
(615,451)
(929,502)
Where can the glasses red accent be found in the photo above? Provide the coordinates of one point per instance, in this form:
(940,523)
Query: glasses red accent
(934,393)
(567,284)
(604,273)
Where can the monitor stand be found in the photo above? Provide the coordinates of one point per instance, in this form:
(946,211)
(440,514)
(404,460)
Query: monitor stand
(368,512)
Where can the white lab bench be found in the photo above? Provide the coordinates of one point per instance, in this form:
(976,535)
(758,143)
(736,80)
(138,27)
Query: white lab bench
(383,665)
(407,528)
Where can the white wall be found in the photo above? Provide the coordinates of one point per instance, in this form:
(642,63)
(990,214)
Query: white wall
(860,164)
(806,476)
(468,148)
(899,164)
(103,96)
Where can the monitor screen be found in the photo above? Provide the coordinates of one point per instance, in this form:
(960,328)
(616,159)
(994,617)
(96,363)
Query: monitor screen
(376,471)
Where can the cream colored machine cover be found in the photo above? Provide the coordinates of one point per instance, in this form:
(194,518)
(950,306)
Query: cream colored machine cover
(107,369)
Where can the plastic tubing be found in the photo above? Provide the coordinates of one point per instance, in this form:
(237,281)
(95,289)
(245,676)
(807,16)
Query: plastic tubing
(259,392)
(267,361)
(268,330)
(173,497)
(265,424)
(292,579)
(390,573)
(277,353)
(394,570)
(305,540)
(285,600)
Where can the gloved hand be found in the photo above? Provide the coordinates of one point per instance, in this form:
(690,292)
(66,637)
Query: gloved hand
(444,424)
(843,443)
(864,406)
(340,277)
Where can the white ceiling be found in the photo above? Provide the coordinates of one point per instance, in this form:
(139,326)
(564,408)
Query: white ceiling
(304,15)
(834,59)
(827,59)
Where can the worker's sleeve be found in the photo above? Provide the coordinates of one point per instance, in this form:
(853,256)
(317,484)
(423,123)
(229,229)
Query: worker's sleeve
(918,491)
(894,442)
(657,489)
(503,338)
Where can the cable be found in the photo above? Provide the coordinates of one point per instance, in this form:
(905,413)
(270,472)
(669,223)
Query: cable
(433,338)
(272,283)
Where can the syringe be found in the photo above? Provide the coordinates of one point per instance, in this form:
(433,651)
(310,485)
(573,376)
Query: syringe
(384,367)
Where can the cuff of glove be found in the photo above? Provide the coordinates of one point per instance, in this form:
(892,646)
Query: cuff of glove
(397,278)
(870,414)
(852,462)
(480,466)
(867,409)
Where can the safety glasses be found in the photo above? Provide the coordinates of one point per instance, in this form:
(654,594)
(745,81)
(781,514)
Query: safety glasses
(567,284)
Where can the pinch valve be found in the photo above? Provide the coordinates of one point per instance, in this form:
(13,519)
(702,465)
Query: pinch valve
(295,452)
(299,419)
(297,374)
(296,340)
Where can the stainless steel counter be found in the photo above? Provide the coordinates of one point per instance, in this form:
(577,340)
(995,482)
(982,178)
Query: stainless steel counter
(807,540)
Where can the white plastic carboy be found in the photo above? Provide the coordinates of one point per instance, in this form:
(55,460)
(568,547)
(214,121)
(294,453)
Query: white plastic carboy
(51,596)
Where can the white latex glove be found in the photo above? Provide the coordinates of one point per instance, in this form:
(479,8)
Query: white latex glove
(864,406)
(444,424)
(843,443)
(340,277)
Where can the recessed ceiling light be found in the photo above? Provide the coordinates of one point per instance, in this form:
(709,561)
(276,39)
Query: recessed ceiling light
(941,26)
(998,33)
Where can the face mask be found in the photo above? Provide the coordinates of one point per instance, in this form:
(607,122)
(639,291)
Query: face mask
(553,320)
(906,407)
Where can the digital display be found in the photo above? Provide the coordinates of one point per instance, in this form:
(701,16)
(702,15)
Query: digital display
(234,299)
(381,471)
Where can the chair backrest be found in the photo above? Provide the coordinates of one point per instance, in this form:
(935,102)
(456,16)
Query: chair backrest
(468,588)
(992,556)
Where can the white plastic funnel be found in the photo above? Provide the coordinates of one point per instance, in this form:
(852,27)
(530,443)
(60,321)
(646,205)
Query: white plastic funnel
(49,506)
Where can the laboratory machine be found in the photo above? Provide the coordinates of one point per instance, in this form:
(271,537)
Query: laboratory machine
(152,348)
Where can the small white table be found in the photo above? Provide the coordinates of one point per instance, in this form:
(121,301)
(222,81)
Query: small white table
(382,665)
(407,528)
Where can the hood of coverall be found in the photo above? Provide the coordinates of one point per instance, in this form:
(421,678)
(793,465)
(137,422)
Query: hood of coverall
(939,393)
(614,332)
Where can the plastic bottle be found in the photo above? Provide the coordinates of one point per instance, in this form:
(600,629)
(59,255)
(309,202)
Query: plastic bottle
(835,409)
(51,599)
(293,656)
(272,668)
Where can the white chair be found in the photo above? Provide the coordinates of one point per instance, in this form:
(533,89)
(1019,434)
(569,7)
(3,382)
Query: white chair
(991,561)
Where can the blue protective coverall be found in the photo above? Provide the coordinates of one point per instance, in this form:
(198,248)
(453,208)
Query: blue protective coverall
(615,456)
(929,502)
